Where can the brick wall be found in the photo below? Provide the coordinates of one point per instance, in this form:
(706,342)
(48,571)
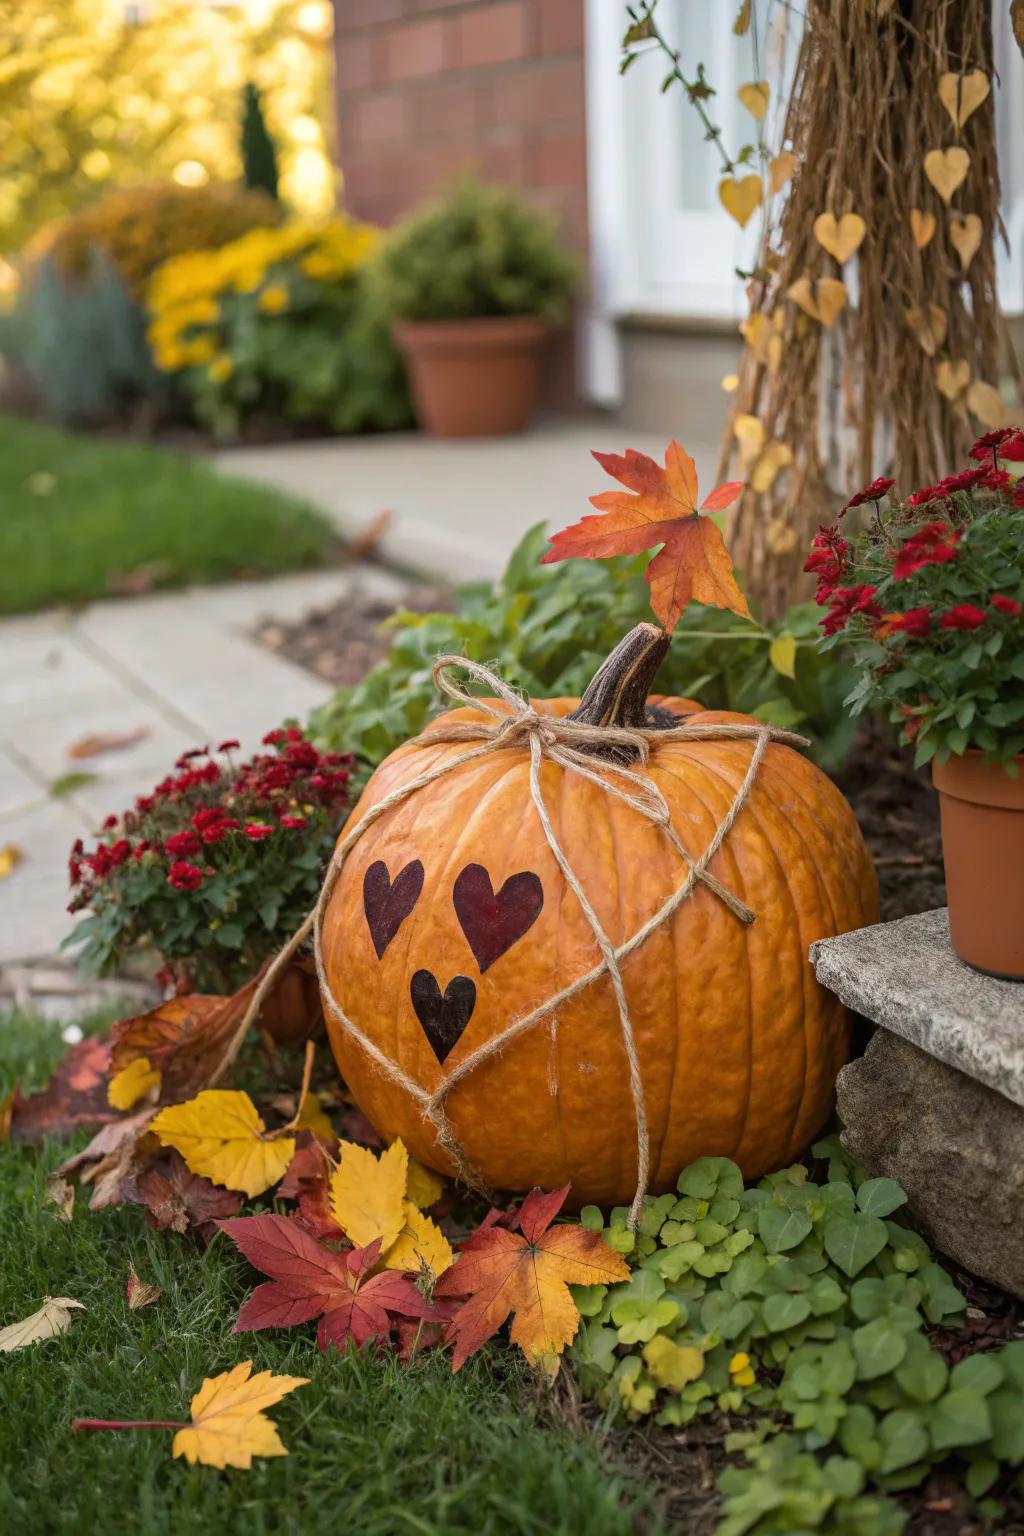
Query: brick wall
(427,88)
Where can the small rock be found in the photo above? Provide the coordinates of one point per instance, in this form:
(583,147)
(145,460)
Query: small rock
(955,1146)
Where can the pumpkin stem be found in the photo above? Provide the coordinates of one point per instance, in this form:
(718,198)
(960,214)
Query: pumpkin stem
(618,691)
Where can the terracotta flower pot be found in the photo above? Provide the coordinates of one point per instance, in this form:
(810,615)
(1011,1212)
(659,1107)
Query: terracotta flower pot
(473,378)
(983,851)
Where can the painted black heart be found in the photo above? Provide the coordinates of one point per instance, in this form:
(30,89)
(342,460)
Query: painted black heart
(492,923)
(387,903)
(443,1018)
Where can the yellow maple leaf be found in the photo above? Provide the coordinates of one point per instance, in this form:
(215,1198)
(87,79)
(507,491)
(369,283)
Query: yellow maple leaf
(220,1135)
(420,1242)
(368,1193)
(312,1117)
(229,1426)
(132,1083)
(423,1186)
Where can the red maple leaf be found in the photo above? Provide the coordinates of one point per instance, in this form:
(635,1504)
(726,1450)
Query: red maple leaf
(308,1280)
(528,1272)
(693,565)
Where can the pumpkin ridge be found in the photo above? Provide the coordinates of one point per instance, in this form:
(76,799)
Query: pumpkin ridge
(698,761)
(672,868)
(807,979)
(828,905)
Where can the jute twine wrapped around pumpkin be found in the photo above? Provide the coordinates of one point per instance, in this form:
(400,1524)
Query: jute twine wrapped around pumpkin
(571,744)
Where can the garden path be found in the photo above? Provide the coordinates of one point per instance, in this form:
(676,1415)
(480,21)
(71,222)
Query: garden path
(181,665)
(458,508)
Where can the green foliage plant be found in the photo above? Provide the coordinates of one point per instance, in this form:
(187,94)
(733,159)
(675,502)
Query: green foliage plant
(80,340)
(928,597)
(547,628)
(803,1309)
(479,252)
(259,157)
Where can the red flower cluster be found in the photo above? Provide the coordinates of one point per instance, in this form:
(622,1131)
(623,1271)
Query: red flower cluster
(873,492)
(827,561)
(933,544)
(992,445)
(845,603)
(963,616)
(282,792)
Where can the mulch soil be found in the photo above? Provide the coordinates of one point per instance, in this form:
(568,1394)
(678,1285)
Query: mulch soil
(898,814)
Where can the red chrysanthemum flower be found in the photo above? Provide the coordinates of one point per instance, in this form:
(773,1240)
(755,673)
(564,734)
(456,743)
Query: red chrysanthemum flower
(827,561)
(963,616)
(256,832)
(1013,448)
(292,823)
(846,603)
(1007,605)
(984,446)
(873,492)
(229,746)
(995,480)
(916,622)
(933,544)
(181,844)
(183,876)
(961,482)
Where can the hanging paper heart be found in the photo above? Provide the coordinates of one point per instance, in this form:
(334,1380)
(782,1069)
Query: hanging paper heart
(963,94)
(780,169)
(824,302)
(922,227)
(965,237)
(952,378)
(928,325)
(773,460)
(750,434)
(755,95)
(987,404)
(840,237)
(740,198)
(946,169)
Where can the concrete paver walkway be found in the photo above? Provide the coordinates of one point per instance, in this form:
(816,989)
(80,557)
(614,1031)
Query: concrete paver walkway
(458,507)
(182,666)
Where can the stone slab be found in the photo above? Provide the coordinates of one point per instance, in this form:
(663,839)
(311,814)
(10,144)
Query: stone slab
(905,976)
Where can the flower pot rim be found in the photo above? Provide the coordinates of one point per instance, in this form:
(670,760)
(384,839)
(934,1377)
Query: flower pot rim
(967,776)
(478,328)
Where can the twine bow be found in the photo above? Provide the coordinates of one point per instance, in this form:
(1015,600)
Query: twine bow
(570,744)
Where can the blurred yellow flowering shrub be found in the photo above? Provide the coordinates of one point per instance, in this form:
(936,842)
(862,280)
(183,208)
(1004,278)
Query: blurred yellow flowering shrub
(279,324)
(139,228)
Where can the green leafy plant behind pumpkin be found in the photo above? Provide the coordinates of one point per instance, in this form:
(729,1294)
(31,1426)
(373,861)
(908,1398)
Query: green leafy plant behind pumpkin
(547,628)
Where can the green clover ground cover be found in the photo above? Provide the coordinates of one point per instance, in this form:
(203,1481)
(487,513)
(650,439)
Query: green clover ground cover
(75,510)
(804,1310)
(374,1447)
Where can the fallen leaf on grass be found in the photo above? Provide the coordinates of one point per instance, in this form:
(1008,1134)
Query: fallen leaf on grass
(372,1198)
(178,1199)
(220,1135)
(10,857)
(229,1426)
(308,1280)
(693,565)
(112,1159)
(76,1095)
(528,1273)
(140,1293)
(61,1193)
(53,1318)
(107,741)
(136,1081)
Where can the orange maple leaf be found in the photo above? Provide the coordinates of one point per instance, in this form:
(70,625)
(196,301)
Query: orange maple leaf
(693,565)
(527,1272)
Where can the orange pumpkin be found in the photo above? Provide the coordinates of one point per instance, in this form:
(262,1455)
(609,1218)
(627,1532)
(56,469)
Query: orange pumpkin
(451,918)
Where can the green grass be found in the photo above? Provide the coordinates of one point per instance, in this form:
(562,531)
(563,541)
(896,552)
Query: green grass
(76,510)
(375,1448)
